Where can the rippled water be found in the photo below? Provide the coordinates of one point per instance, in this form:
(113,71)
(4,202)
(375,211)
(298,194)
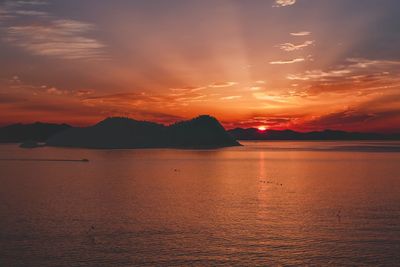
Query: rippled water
(276,203)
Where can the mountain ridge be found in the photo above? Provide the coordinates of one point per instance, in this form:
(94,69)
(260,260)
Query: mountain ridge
(38,132)
(119,133)
(184,132)
(328,135)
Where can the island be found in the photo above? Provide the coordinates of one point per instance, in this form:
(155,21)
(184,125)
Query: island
(125,133)
(28,134)
(253,134)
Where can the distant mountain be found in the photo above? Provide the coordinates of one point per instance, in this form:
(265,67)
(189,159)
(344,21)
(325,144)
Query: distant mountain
(255,134)
(201,132)
(37,132)
(118,133)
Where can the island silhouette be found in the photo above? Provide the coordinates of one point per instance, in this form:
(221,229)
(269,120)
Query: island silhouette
(35,132)
(119,133)
(326,135)
(201,132)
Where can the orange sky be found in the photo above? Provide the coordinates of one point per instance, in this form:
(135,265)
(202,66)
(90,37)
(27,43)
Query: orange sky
(303,65)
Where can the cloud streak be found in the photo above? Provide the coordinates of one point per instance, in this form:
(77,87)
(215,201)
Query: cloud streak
(232,97)
(289,47)
(282,3)
(61,38)
(222,84)
(46,35)
(285,62)
(354,70)
(303,33)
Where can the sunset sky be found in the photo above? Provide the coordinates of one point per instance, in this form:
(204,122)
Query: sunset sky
(297,64)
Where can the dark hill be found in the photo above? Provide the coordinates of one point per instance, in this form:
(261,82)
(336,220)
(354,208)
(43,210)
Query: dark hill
(36,132)
(254,134)
(203,131)
(118,133)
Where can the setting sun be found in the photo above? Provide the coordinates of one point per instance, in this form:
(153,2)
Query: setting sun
(262,128)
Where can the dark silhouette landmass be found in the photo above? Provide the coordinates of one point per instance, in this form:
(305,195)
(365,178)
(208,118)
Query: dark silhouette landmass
(30,133)
(255,134)
(201,132)
(118,133)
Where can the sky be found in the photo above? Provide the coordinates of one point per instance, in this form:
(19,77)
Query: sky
(282,64)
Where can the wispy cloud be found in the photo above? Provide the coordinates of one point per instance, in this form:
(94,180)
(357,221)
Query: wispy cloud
(5,15)
(275,122)
(303,33)
(340,118)
(31,13)
(61,38)
(318,74)
(280,3)
(365,63)
(27,3)
(274,100)
(222,84)
(232,97)
(188,89)
(289,47)
(285,62)
(353,69)
(55,91)
(354,80)
(47,35)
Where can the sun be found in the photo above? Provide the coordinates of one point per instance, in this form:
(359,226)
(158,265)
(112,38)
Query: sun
(262,128)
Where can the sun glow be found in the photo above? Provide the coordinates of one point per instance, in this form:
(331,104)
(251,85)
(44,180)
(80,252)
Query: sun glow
(262,128)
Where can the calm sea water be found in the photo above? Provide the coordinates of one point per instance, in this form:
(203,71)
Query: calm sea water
(266,203)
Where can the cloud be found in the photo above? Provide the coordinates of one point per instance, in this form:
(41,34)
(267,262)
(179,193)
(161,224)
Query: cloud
(188,89)
(355,80)
(27,2)
(136,105)
(81,93)
(62,39)
(46,35)
(346,119)
(222,84)
(271,98)
(233,97)
(5,15)
(289,47)
(55,91)
(280,3)
(31,13)
(126,100)
(274,122)
(354,69)
(365,63)
(318,75)
(284,62)
(304,33)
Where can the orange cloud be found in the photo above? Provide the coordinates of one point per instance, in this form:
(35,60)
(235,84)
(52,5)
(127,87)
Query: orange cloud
(285,62)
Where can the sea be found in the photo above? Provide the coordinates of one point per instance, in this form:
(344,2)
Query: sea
(262,204)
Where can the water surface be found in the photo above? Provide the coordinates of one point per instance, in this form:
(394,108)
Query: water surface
(266,203)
